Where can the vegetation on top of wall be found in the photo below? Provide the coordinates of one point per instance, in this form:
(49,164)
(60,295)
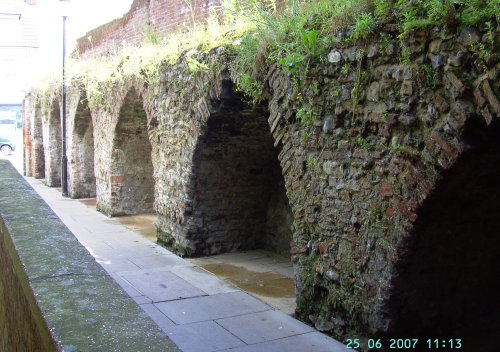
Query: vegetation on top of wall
(301,36)
(295,39)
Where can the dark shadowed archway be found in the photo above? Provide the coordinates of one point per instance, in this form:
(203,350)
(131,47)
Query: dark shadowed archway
(447,286)
(237,191)
(132,183)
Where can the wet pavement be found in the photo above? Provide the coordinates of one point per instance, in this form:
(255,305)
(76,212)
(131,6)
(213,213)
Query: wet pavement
(263,274)
(193,307)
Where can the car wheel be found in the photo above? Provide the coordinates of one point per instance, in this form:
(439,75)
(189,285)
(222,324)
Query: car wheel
(5,150)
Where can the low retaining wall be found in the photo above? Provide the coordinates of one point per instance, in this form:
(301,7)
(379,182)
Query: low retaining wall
(53,295)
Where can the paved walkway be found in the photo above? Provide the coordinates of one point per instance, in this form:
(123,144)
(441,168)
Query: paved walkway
(197,310)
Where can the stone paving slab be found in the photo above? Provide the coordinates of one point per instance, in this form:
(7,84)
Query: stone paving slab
(203,280)
(162,286)
(206,336)
(155,261)
(266,326)
(310,342)
(197,310)
(214,307)
(58,287)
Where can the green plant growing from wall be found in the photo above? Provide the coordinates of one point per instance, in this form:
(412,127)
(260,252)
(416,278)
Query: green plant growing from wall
(431,76)
(385,115)
(363,27)
(363,143)
(404,54)
(311,163)
(345,69)
(336,92)
(485,53)
(305,117)
(251,88)
(194,66)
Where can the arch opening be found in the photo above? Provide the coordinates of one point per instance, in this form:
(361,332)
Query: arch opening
(132,183)
(238,192)
(447,286)
(237,211)
(82,182)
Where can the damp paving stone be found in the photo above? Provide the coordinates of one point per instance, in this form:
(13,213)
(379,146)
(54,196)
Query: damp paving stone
(156,261)
(211,307)
(162,286)
(203,280)
(313,341)
(266,326)
(205,336)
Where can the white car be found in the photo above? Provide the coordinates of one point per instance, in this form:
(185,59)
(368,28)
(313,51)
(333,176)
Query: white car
(6,145)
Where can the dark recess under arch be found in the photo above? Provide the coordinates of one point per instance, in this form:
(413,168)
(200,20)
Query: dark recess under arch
(237,191)
(447,286)
(132,162)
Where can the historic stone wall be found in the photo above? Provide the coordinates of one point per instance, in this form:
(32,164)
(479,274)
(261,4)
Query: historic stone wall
(34,159)
(52,142)
(132,184)
(391,119)
(80,146)
(236,191)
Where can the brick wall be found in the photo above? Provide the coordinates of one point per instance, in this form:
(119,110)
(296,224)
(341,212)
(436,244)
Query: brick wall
(163,16)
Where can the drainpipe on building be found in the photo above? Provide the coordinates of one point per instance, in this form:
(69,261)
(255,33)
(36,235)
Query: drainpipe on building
(64,158)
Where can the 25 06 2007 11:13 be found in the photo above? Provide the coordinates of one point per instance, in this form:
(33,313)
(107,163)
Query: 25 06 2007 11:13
(403,344)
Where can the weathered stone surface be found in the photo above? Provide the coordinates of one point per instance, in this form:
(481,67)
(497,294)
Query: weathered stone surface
(54,295)
(357,181)
(334,56)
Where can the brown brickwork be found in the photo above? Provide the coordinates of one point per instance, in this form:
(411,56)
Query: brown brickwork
(162,16)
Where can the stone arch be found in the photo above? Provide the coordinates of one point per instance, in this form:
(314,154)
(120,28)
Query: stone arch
(447,279)
(52,143)
(81,174)
(236,192)
(131,179)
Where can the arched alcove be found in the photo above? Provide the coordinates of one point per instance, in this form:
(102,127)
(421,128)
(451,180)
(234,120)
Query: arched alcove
(237,193)
(82,182)
(53,145)
(447,285)
(132,183)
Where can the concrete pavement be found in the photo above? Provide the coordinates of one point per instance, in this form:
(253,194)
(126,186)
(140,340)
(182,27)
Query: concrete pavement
(197,310)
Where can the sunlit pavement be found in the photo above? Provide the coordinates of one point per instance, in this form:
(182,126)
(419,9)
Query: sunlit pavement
(197,310)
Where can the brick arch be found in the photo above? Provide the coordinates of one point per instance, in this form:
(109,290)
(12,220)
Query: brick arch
(52,142)
(236,197)
(131,169)
(446,278)
(81,174)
